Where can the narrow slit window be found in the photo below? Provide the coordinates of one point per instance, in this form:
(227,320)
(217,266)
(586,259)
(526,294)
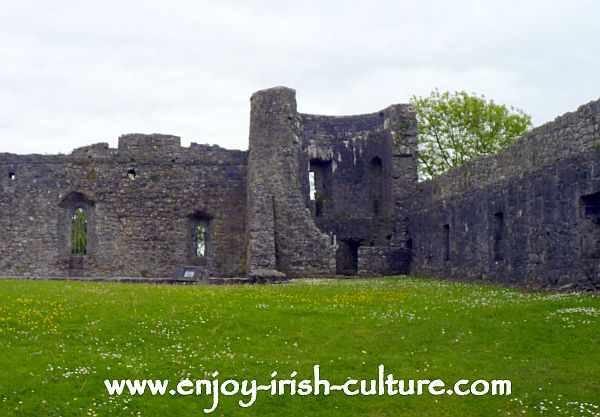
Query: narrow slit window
(79,232)
(200,240)
(446,242)
(12,176)
(376,184)
(131,174)
(498,236)
(311,184)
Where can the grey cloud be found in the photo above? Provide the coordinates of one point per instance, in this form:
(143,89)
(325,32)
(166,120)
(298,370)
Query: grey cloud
(76,72)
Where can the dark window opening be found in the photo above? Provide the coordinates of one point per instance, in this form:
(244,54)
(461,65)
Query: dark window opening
(319,208)
(498,236)
(347,257)
(446,242)
(320,186)
(12,175)
(590,225)
(131,174)
(375,184)
(79,232)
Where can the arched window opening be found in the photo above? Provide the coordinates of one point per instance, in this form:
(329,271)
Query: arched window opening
(79,232)
(200,240)
(76,225)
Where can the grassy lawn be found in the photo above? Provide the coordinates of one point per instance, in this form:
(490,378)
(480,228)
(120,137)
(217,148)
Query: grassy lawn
(60,340)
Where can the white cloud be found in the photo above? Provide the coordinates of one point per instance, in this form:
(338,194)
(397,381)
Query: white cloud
(78,72)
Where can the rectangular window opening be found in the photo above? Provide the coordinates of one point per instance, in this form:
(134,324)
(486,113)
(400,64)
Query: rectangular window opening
(200,241)
(320,186)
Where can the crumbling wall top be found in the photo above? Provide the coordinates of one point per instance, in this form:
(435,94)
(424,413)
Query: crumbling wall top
(154,147)
(153,143)
(96,150)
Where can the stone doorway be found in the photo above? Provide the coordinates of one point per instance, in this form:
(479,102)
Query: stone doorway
(347,257)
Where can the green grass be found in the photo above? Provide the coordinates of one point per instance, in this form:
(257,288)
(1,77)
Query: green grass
(60,340)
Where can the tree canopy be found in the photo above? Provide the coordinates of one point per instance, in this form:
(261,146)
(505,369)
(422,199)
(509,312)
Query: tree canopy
(455,127)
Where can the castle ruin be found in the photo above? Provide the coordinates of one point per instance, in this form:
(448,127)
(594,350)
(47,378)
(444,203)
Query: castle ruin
(313,196)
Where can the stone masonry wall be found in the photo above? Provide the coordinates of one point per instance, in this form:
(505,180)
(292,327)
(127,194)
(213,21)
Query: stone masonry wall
(350,144)
(529,215)
(137,227)
(383,260)
(363,168)
(301,249)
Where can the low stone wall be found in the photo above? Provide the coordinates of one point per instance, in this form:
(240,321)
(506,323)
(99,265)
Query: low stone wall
(383,260)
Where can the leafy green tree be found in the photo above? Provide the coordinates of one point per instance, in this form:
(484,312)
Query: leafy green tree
(455,127)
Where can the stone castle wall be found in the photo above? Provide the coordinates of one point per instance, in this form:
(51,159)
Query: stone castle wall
(137,227)
(364,168)
(291,233)
(313,196)
(144,200)
(527,215)
(297,247)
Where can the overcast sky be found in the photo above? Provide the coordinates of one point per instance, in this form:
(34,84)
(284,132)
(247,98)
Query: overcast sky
(78,72)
